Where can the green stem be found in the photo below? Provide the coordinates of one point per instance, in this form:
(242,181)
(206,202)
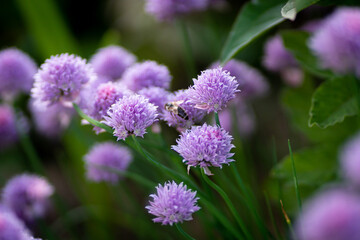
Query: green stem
(217,120)
(295,177)
(187,236)
(190,63)
(228,203)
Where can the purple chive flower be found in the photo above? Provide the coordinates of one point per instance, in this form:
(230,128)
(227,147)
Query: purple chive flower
(27,196)
(17,70)
(107,155)
(11,228)
(8,132)
(156,95)
(194,115)
(146,74)
(51,121)
(173,203)
(165,10)
(251,82)
(61,78)
(205,146)
(112,61)
(350,160)
(213,89)
(330,215)
(131,115)
(337,43)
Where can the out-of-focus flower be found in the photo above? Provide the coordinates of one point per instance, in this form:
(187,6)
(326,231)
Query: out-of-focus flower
(213,89)
(350,160)
(61,78)
(52,120)
(8,132)
(193,115)
(27,196)
(173,203)
(112,61)
(157,96)
(278,59)
(313,25)
(330,215)
(169,9)
(146,74)
(337,43)
(11,228)
(131,115)
(107,155)
(205,146)
(17,70)
(251,82)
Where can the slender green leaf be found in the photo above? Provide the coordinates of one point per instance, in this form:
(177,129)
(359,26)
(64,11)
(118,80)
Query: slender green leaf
(253,20)
(333,101)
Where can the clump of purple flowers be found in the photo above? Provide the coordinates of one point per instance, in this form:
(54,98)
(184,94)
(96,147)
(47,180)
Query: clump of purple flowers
(112,61)
(16,72)
(350,160)
(146,74)
(107,155)
(213,89)
(61,78)
(156,95)
(205,146)
(337,43)
(131,115)
(193,114)
(170,9)
(172,203)
(27,196)
(11,228)
(330,215)
(8,132)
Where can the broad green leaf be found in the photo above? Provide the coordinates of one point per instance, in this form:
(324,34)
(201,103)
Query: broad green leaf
(290,9)
(296,42)
(253,20)
(333,101)
(47,27)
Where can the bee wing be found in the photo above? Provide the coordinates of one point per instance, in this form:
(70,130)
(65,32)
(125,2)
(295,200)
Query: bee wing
(179,102)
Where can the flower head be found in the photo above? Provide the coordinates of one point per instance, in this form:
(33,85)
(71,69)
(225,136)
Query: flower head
(251,82)
(112,61)
(109,155)
(156,95)
(350,160)
(169,9)
(213,89)
(337,43)
(61,78)
(205,146)
(131,115)
(146,74)
(194,115)
(17,70)
(173,203)
(27,196)
(11,228)
(330,215)
(8,132)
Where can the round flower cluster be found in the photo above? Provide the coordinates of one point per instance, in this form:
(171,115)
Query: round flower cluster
(8,132)
(11,228)
(27,196)
(169,9)
(112,61)
(156,95)
(61,78)
(213,89)
(193,115)
(172,203)
(350,160)
(16,71)
(337,43)
(331,215)
(107,155)
(131,115)
(205,146)
(146,74)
